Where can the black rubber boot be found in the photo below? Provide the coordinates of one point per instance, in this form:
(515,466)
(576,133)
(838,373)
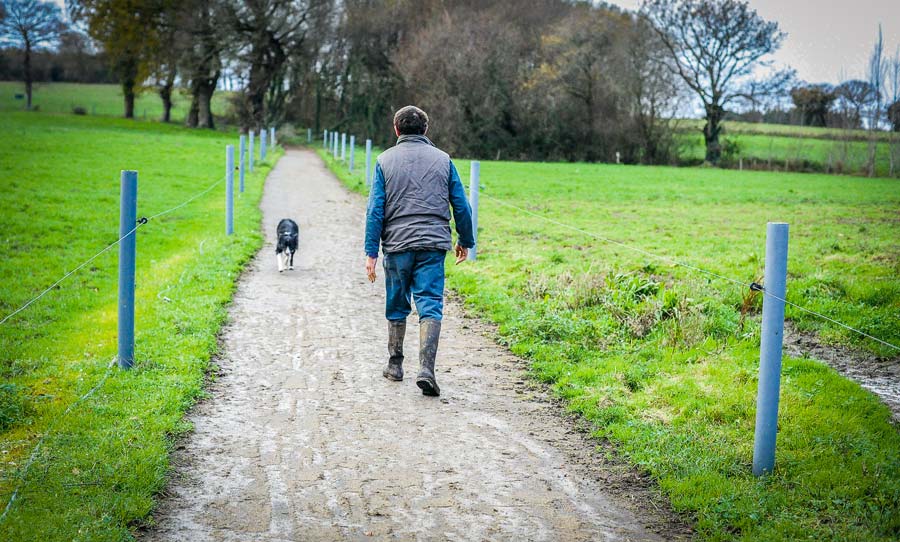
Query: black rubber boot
(394,369)
(429,333)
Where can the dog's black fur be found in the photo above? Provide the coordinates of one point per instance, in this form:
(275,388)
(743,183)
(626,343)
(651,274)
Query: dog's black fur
(288,240)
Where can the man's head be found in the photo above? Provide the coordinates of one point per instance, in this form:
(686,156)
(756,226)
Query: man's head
(410,120)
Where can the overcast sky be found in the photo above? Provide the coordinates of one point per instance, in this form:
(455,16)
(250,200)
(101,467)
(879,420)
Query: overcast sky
(826,38)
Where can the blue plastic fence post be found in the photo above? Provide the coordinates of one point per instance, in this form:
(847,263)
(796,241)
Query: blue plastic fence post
(242,162)
(343,146)
(335,138)
(474,174)
(250,153)
(272,137)
(127,252)
(309,135)
(325,139)
(229,189)
(262,144)
(771,341)
(352,150)
(368,162)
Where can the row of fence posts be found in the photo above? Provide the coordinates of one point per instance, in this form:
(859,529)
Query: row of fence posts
(128,222)
(771,336)
(339,148)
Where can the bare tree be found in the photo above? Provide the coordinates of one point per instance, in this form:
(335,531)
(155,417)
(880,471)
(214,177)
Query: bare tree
(29,25)
(272,31)
(855,97)
(716,46)
(655,93)
(876,73)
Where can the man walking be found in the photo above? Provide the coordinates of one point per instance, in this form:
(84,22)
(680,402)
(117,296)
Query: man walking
(414,188)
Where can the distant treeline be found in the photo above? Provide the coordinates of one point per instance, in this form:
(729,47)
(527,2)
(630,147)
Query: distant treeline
(66,65)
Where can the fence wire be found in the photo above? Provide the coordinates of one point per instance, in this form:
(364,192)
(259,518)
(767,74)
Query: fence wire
(141,222)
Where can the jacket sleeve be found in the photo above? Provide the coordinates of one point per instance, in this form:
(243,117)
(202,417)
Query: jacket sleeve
(375,213)
(462,213)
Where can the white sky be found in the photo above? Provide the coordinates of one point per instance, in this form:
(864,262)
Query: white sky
(827,40)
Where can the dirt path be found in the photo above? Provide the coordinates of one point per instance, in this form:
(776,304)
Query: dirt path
(304,440)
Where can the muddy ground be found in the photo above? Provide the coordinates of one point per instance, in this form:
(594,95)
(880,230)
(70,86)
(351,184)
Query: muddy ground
(302,438)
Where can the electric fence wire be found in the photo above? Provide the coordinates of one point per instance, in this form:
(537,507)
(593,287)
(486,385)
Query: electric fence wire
(67,275)
(192,198)
(752,285)
(37,447)
(140,223)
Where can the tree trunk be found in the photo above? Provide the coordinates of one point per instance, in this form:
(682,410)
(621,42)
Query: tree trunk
(128,92)
(128,78)
(204,103)
(256,94)
(891,159)
(711,131)
(202,88)
(318,114)
(873,148)
(27,75)
(193,114)
(165,93)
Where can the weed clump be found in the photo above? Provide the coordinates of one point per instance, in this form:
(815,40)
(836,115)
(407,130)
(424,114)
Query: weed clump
(14,406)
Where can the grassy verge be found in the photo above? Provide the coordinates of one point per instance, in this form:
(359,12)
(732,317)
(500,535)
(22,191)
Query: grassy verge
(100,464)
(99,99)
(664,362)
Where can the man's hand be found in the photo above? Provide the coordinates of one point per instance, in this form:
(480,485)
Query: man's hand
(462,254)
(370,267)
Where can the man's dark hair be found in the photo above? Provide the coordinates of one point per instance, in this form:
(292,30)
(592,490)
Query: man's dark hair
(411,120)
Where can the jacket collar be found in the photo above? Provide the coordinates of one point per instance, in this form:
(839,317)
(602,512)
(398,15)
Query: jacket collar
(414,138)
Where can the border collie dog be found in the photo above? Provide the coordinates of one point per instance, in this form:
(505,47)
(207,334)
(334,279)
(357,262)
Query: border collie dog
(288,237)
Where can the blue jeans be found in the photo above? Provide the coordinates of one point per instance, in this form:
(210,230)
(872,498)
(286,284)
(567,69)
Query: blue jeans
(419,273)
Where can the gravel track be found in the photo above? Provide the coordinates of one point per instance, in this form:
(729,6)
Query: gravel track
(302,438)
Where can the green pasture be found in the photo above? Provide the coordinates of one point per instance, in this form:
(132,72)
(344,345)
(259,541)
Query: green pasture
(663,361)
(100,465)
(102,100)
(785,152)
(814,132)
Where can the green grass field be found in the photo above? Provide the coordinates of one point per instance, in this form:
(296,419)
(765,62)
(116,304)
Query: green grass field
(659,358)
(103,100)
(796,153)
(813,132)
(101,464)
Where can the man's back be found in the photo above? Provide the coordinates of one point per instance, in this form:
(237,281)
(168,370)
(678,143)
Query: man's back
(417,195)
